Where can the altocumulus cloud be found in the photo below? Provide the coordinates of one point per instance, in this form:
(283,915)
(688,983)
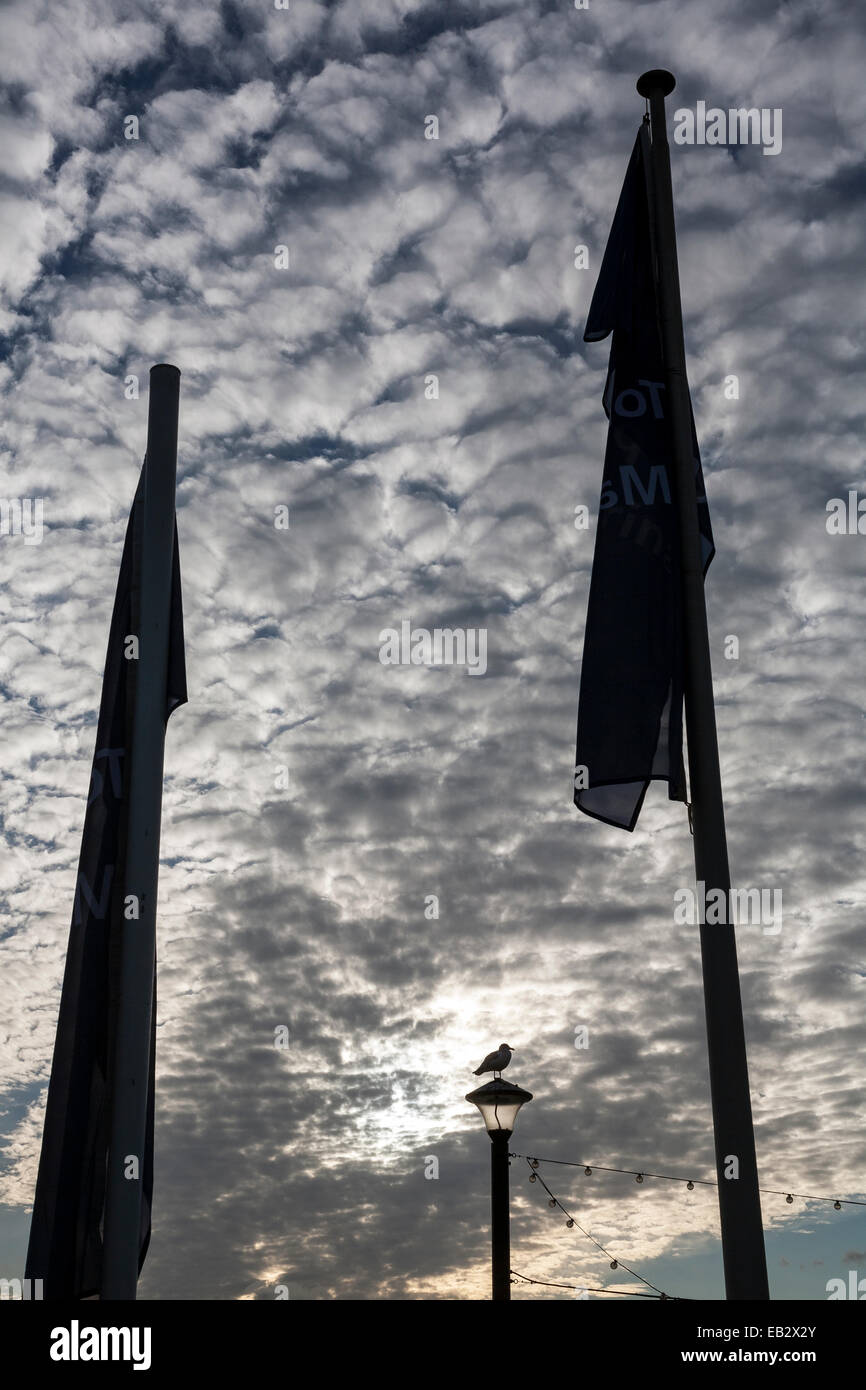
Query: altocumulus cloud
(299,900)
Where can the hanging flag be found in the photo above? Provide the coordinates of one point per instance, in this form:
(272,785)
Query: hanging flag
(630,711)
(65,1248)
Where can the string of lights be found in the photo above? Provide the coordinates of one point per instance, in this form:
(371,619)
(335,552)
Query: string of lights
(571,1222)
(584,1288)
(690,1183)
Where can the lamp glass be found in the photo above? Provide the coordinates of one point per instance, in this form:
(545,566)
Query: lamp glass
(499,1114)
(499,1104)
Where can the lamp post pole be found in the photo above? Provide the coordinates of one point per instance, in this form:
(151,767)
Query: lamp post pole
(500,1214)
(499,1101)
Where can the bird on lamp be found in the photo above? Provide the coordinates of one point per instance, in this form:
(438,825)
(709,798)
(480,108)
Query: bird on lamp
(495,1061)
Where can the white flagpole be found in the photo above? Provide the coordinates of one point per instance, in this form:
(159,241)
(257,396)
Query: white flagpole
(138,949)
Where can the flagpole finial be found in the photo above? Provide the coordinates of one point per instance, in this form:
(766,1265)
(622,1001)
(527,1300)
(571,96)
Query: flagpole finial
(656,78)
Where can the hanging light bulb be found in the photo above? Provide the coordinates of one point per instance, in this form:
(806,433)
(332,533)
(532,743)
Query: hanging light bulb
(588,1172)
(534,1162)
(613,1264)
(837,1206)
(532,1177)
(570,1222)
(789,1198)
(552,1202)
(690,1185)
(639,1177)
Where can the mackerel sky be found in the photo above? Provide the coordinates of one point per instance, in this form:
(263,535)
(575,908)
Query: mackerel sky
(303,905)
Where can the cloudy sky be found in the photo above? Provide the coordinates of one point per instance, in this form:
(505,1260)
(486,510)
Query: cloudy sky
(308,386)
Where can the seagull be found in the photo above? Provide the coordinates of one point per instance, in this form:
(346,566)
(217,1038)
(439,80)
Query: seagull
(495,1061)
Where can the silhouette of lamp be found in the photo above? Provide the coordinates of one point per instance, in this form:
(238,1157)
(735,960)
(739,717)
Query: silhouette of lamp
(499,1103)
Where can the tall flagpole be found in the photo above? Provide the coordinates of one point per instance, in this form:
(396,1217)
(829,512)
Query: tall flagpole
(736,1167)
(138,948)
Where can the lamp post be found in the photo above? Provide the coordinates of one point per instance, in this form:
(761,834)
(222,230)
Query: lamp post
(499,1102)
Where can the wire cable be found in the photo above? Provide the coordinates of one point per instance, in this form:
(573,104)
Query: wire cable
(590,1168)
(615,1263)
(584,1288)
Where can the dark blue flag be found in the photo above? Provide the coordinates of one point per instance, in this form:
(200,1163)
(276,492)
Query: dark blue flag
(630,712)
(65,1249)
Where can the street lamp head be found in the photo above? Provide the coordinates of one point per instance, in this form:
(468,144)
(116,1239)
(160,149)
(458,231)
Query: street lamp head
(499,1102)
